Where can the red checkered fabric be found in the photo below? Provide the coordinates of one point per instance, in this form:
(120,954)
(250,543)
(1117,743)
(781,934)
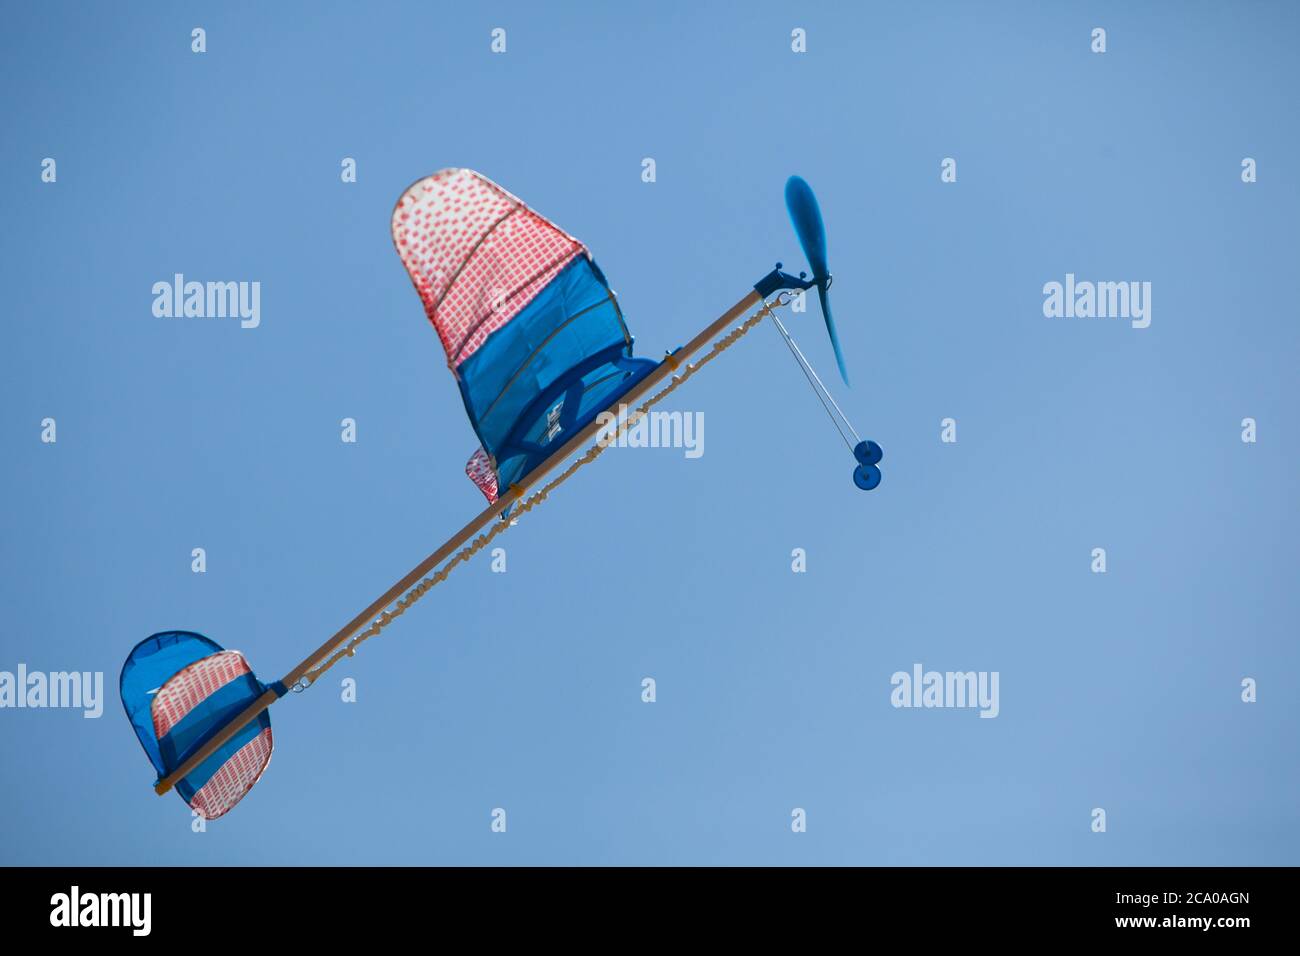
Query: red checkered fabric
(227,786)
(192,685)
(480,471)
(476,254)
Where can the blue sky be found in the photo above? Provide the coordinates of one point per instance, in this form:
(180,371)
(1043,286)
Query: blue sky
(522,690)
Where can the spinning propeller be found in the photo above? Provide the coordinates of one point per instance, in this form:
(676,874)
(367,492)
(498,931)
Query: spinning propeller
(806,216)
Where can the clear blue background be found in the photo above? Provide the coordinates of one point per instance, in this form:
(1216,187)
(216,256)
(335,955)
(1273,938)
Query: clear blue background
(522,690)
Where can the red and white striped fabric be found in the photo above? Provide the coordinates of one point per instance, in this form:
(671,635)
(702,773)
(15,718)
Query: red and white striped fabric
(476,254)
(227,786)
(480,471)
(192,685)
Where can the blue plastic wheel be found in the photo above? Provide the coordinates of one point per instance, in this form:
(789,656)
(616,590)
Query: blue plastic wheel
(868,453)
(866,477)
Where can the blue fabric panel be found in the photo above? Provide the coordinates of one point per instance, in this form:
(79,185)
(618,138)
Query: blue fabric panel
(147,668)
(571,319)
(564,358)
